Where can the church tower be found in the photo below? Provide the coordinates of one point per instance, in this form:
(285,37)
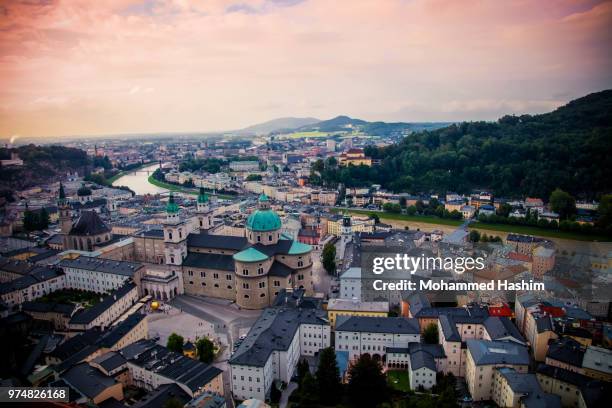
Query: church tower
(203,211)
(175,234)
(65,213)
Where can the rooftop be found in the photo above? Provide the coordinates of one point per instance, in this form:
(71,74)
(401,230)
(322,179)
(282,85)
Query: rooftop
(274,330)
(394,325)
(124,268)
(486,352)
(89,223)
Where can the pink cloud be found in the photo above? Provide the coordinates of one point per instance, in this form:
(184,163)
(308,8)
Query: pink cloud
(161,65)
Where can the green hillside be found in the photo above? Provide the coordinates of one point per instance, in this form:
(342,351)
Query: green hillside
(528,155)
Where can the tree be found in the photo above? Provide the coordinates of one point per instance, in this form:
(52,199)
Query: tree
(562,203)
(308,391)
(392,208)
(206,350)
(43,219)
(329,258)
(430,334)
(474,236)
(402,202)
(302,369)
(253,177)
(419,206)
(173,403)
(275,394)
(605,211)
(411,210)
(367,385)
(375,217)
(504,210)
(30,221)
(328,377)
(175,343)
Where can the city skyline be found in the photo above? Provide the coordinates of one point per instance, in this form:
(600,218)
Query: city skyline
(121,67)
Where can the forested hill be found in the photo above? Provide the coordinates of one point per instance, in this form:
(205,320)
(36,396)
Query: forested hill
(569,148)
(42,164)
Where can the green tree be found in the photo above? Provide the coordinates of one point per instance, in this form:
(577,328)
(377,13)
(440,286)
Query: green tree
(474,236)
(173,403)
(420,206)
(562,203)
(253,177)
(275,394)
(329,258)
(30,221)
(392,208)
(605,211)
(411,210)
(175,343)
(375,217)
(328,377)
(504,210)
(308,391)
(206,350)
(430,334)
(367,385)
(43,219)
(302,369)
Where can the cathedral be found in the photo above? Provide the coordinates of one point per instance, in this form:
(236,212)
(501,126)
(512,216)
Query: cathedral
(249,270)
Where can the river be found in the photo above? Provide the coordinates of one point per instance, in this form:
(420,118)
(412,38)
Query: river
(138,182)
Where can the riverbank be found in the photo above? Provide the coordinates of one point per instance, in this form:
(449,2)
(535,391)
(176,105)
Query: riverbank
(185,190)
(124,172)
(501,229)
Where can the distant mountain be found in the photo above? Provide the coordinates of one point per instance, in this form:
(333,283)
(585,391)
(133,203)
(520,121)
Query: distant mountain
(383,129)
(336,124)
(278,125)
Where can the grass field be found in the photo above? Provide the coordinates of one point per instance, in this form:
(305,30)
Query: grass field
(517,229)
(542,232)
(405,217)
(398,380)
(179,189)
(302,135)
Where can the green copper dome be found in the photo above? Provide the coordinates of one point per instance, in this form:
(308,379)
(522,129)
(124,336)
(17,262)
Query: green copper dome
(250,255)
(202,197)
(172,207)
(263,220)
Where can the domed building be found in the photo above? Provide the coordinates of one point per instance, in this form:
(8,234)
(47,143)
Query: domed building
(250,270)
(271,262)
(87,232)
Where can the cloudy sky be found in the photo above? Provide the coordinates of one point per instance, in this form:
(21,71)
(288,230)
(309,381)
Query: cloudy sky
(82,67)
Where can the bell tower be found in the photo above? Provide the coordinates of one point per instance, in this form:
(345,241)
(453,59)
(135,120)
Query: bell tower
(65,213)
(175,234)
(203,211)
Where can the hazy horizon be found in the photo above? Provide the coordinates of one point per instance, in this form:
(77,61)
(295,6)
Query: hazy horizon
(94,69)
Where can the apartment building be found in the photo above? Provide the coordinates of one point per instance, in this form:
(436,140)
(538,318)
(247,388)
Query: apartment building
(39,282)
(152,366)
(272,348)
(374,335)
(99,275)
(514,389)
(354,307)
(484,357)
(105,312)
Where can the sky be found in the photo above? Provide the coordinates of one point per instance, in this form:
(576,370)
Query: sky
(82,67)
